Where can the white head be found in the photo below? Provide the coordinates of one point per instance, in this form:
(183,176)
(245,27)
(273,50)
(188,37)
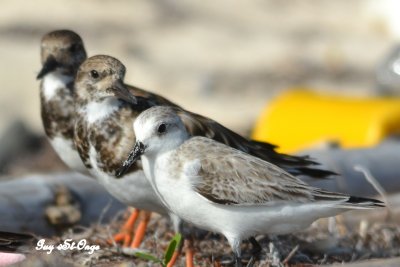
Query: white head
(158,129)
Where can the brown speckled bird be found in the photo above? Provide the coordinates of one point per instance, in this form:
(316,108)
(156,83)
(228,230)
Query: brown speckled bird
(62,52)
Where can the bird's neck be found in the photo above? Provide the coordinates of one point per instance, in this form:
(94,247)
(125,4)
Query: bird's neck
(55,82)
(99,109)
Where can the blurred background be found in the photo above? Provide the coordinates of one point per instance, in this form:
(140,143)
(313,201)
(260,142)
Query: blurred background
(221,59)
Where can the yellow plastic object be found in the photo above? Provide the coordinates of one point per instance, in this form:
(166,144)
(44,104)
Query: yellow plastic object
(300,119)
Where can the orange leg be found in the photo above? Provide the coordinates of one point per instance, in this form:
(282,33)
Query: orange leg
(174,258)
(125,234)
(188,253)
(141,230)
(189,257)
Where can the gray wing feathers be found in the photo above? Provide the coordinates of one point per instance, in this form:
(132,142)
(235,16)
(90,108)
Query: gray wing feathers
(238,178)
(228,176)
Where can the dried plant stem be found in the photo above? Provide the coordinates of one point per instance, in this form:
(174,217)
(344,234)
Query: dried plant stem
(290,255)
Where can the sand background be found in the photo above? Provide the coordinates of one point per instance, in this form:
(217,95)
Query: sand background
(224,59)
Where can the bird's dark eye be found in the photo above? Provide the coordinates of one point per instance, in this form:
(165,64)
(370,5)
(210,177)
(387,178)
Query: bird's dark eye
(162,128)
(94,74)
(73,48)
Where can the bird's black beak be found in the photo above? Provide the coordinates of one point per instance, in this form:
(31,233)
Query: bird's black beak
(134,155)
(122,92)
(49,65)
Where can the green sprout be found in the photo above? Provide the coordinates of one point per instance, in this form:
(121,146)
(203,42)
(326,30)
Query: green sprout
(173,245)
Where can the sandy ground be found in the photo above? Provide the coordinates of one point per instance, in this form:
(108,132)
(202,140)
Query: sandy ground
(220,58)
(325,242)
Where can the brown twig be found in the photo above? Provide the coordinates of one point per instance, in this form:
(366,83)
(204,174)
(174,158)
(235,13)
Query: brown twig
(290,255)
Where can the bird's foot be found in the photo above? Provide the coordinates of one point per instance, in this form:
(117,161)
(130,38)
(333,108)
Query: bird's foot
(124,236)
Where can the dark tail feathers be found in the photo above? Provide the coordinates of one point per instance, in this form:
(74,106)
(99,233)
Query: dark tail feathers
(365,202)
(15,242)
(295,165)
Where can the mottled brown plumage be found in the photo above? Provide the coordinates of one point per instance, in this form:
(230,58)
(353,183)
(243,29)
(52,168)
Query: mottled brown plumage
(81,142)
(111,138)
(57,113)
(62,52)
(104,134)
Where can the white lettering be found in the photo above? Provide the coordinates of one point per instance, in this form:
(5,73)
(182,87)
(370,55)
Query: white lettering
(41,245)
(68,244)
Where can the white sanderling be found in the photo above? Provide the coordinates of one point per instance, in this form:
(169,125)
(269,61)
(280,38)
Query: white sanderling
(224,190)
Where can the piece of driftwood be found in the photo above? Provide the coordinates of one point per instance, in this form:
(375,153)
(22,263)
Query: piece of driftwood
(383,161)
(393,262)
(41,203)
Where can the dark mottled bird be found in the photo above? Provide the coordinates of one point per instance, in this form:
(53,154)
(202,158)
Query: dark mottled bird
(62,52)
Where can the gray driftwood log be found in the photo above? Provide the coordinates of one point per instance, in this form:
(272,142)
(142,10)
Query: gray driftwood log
(383,161)
(36,203)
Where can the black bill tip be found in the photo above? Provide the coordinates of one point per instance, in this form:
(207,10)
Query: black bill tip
(49,65)
(134,155)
